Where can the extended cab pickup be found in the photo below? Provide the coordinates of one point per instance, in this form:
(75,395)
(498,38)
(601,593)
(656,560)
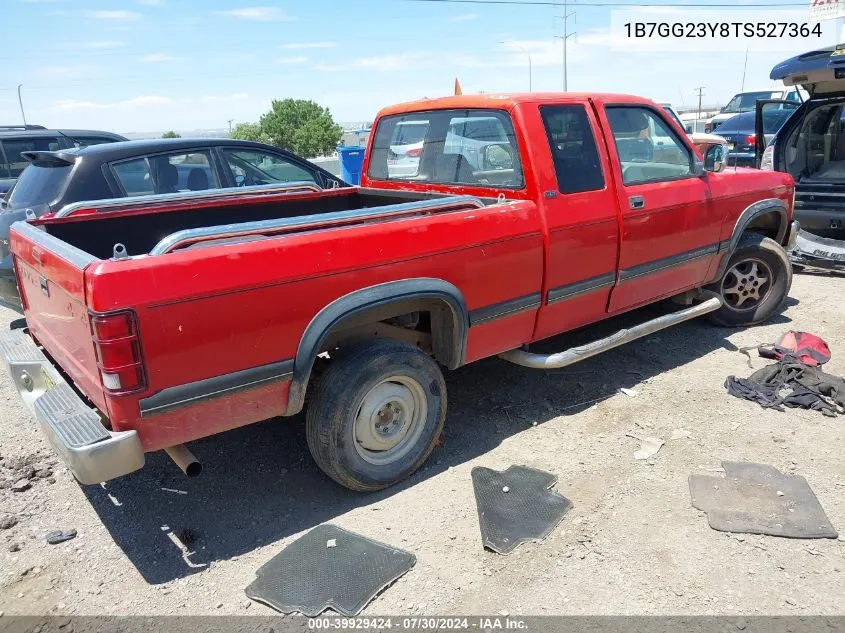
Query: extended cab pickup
(525,216)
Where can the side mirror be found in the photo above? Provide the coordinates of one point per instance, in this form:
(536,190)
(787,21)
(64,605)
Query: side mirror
(715,158)
(497,156)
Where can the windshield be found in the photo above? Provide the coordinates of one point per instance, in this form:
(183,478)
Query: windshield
(409,133)
(746,101)
(11,161)
(746,122)
(39,185)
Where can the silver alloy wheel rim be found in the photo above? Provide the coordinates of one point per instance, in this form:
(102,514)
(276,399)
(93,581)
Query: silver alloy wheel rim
(747,284)
(390,420)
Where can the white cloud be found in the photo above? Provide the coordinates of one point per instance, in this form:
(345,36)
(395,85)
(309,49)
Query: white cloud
(118,15)
(145,101)
(141,101)
(464,17)
(237,96)
(290,61)
(295,46)
(379,62)
(262,14)
(154,58)
(68,71)
(101,45)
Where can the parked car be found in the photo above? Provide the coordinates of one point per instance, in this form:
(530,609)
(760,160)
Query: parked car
(405,148)
(739,132)
(218,316)
(136,168)
(17,139)
(747,101)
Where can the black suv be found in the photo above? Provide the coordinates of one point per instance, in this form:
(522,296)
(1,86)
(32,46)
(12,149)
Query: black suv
(17,139)
(141,168)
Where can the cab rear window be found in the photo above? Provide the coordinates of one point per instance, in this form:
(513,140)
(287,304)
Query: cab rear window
(451,147)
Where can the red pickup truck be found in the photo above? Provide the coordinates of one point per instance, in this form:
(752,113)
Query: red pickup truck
(486,223)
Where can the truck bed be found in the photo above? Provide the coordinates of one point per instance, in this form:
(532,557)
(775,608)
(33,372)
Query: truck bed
(141,230)
(215,299)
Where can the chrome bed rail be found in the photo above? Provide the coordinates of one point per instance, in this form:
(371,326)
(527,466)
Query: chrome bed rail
(111,204)
(260,228)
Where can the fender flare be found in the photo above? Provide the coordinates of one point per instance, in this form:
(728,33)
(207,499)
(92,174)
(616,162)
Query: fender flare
(361,301)
(749,214)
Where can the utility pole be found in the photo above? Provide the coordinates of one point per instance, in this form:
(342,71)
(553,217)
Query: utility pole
(565,37)
(20,103)
(230,125)
(700,90)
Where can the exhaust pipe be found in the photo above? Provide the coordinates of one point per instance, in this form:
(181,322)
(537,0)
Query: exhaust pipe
(184,459)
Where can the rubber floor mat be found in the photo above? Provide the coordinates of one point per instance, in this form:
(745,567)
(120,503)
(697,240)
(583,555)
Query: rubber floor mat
(328,568)
(516,505)
(759,499)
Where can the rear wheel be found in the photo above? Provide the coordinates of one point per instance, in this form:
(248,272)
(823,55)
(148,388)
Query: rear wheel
(755,284)
(376,414)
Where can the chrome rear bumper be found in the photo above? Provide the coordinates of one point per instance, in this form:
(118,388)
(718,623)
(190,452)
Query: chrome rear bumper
(74,430)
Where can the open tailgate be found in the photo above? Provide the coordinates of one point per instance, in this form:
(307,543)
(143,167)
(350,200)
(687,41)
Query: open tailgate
(51,279)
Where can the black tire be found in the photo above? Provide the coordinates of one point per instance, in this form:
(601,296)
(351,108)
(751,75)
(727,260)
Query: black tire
(359,376)
(738,287)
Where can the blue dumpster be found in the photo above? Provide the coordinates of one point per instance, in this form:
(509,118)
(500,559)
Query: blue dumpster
(351,159)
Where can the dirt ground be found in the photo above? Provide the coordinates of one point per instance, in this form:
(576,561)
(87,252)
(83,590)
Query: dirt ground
(158,543)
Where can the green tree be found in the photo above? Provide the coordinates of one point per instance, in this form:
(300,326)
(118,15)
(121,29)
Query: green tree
(250,132)
(301,126)
(171,134)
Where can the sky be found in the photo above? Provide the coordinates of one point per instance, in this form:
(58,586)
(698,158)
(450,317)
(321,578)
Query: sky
(155,65)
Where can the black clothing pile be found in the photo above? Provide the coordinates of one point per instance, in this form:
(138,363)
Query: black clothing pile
(791,383)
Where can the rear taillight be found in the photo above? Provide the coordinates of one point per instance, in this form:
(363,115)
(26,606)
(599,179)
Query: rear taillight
(751,139)
(118,350)
(767,163)
(414,153)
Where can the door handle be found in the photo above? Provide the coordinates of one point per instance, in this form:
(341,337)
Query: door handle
(636,202)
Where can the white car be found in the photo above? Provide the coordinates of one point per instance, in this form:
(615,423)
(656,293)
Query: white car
(406,148)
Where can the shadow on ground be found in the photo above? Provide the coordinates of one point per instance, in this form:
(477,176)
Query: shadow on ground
(260,485)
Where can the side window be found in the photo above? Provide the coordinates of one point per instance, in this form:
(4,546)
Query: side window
(573,148)
(255,167)
(14,163)
(648,149)
(168,173)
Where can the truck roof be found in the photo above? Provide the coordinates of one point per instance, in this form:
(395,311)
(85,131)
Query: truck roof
(506,101)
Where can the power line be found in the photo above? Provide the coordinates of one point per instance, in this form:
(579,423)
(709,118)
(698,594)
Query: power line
(552,3)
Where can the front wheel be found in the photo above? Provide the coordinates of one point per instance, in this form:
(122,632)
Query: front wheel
(376,414)
(755,284)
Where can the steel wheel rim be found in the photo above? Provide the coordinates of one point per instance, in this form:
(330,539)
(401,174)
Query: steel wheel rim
(390,420)
(747,284)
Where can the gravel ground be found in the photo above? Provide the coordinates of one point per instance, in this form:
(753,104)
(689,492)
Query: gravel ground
(158,543)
